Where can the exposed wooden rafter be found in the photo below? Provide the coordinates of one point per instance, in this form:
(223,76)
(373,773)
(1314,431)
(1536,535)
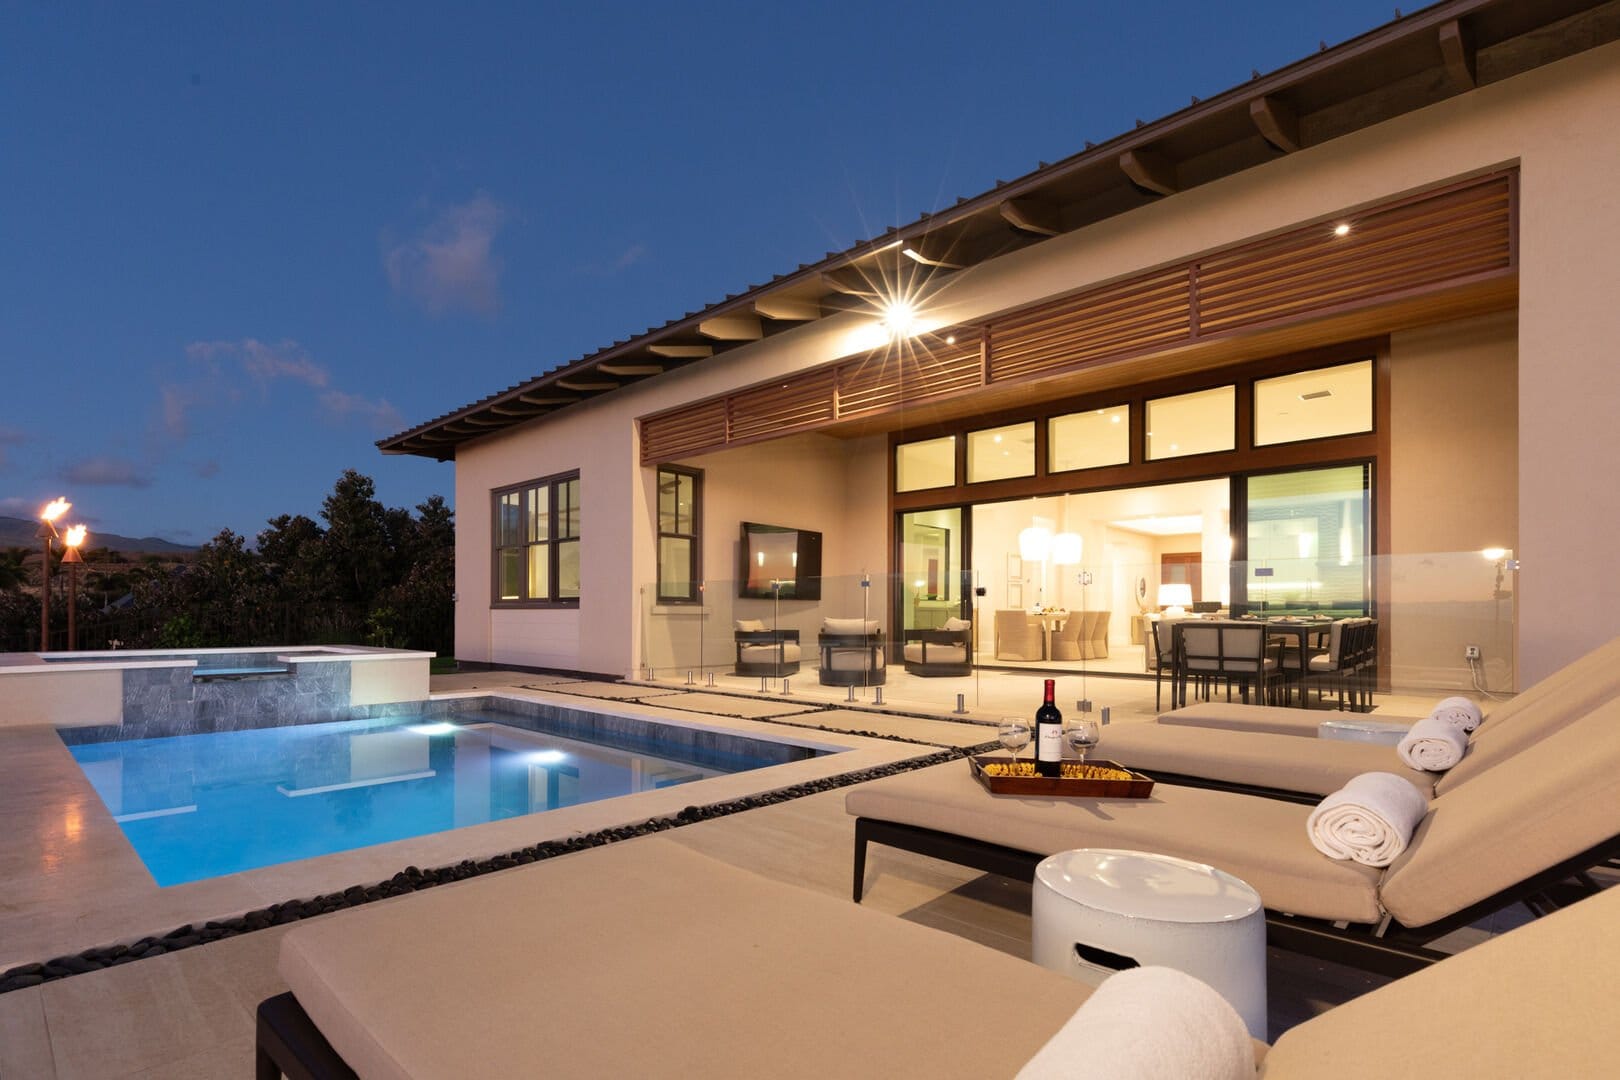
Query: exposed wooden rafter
(849,282)
(586,383)
(1457,49)
(682,352)
(787,308)
(485,421)
(1032,216)
(920,251)
(1276,122)
(630,369)
(508,410)
(1149,171)
(548,399)
(732,328)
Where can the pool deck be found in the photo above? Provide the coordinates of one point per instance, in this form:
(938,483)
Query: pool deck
(72,882)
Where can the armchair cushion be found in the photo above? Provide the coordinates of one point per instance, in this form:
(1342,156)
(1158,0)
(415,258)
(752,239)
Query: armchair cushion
(768,654)
(849,626)
(750,626)
(937,654)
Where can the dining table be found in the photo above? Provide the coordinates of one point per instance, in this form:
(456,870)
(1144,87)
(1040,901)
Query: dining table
(1298,638)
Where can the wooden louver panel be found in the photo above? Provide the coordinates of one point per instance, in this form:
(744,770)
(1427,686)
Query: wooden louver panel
(1431,242)
(1145,313)
(910,372)
(801,401)
(690,430)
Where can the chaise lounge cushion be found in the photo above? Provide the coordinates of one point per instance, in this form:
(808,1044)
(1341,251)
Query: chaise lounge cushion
(1552,801)
(1262,841)
(1316,766)
(1271,719)
(646,959)
(1536,1001)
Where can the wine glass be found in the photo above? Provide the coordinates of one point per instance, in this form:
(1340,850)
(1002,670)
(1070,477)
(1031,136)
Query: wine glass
(1081,735)
(1014,735)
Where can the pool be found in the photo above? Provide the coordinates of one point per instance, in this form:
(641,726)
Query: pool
(201,806)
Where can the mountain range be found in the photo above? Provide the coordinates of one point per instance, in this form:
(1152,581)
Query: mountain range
(20,532)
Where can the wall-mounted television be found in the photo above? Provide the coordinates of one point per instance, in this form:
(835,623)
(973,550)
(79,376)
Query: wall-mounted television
(788,557)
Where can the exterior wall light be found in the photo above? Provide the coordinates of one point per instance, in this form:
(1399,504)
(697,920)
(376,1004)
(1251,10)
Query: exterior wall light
(899,318)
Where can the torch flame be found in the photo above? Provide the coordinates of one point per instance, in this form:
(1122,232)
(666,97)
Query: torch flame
(74,536)
(55,509)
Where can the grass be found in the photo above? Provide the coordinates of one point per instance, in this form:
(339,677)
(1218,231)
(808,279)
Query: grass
(442,665)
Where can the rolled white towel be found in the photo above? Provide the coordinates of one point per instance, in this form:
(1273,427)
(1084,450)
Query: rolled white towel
(1371,819)
(1433,744)
(1148,1023)
(1459,712)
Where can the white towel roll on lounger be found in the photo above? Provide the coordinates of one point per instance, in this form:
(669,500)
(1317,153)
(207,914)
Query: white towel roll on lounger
(1459,712)
(1433,744)
(1147,1023)
(1370,819)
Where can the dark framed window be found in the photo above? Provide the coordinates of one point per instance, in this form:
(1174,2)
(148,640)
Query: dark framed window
(537,542)
(680,534)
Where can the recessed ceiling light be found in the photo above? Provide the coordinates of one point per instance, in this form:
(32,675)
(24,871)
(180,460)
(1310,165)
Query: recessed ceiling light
(950,339)
(1342,229)
(1114,419)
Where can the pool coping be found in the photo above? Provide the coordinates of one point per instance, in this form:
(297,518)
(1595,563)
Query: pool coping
(378,865)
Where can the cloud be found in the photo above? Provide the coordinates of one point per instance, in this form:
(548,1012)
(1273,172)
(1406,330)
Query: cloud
(630,256)
(450,264)
(9,437)
(378,414)
(283,360)
(21,507)
(105,472)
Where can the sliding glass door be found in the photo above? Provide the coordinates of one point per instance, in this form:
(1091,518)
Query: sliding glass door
(1305,541)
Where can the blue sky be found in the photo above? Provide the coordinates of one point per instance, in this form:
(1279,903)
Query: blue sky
(241,242)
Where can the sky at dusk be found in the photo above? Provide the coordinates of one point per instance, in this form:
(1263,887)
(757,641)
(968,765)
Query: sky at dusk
(241,242)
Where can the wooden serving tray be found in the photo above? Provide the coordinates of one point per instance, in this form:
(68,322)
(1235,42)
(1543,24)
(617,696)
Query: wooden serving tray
(1137,787)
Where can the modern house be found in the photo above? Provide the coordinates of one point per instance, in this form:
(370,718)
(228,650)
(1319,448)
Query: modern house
(1342,338)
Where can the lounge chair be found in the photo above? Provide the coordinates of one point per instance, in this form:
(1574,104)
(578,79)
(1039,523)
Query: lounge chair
(1259,760)
(1504,831)
(946,651)
(557,969)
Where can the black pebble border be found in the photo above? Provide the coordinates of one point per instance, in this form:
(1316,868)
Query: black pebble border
(412,879)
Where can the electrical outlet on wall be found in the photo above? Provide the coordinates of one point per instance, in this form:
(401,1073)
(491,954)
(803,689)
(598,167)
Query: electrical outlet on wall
(1470,652)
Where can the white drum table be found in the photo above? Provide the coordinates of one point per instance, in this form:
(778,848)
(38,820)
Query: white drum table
(1097,911)
(1372,731)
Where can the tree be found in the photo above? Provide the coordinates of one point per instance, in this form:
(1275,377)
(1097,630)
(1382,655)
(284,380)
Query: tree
(360,538)
(14,570)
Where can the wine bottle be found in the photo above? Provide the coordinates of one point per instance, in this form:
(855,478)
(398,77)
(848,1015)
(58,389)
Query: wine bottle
(1049,734)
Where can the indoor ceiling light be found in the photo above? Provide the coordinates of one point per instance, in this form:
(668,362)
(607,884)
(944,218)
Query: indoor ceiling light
(1066,548)
(1342,229)
(1034,543)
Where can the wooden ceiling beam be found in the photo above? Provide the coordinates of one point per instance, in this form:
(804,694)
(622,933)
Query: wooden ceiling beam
(732,328)
(485,421)
(586,383)
(848,282)
(931,255)
(630,369)
(787,308)
(1457,50)
(548,399)
(1149,171)
(1032,216)
(508,410)
(682,352)
(1276,122)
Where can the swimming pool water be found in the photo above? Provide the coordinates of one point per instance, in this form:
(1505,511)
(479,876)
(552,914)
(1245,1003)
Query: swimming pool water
(199,806)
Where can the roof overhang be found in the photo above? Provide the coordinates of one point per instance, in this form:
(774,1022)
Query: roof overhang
(1414,61)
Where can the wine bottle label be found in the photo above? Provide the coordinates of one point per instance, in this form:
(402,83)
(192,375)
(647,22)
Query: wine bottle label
(1049,745)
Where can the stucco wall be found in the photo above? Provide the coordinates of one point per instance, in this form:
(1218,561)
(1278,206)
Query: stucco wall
(1555,122)
(832,486)
(1454,491)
